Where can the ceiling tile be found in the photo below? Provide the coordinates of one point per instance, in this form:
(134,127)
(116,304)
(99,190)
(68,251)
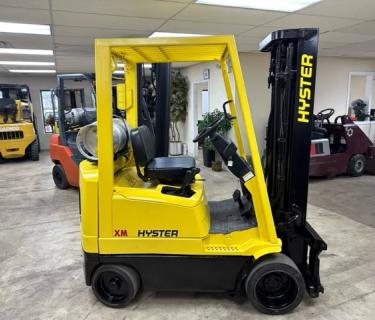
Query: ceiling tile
(73,50)
(206,13)
(181,1)
(21,41)
(354,50)
(328,45)
(104,21)
(98,33)
(364,28)
(74,40)
(363,9)
(261,31)
(248,48)
(305,21)
(129,8)
(34,4)
(248,40)
(202,27)
(344,37)
(23,15)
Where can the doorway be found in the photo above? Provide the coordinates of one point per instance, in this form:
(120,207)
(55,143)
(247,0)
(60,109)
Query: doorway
(201,106)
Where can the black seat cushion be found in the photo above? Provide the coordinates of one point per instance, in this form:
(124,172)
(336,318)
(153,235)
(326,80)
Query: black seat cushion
(169,169)
(318,133)
(143,143)
(164,169)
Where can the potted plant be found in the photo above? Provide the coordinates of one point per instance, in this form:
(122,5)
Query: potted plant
(210,157)
(178,111)
(359,109)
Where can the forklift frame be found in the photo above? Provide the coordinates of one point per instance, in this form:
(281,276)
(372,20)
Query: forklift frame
(166,237)
(108,52)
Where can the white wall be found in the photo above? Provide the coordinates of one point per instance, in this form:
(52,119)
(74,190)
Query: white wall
(330,92)
(332,81)
(35,83)
(331,87)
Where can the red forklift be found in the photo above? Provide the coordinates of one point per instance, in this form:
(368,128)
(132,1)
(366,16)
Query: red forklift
(76,108)
(339,147)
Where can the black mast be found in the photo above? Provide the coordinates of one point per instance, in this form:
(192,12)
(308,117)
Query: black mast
(292,79)
(158,82)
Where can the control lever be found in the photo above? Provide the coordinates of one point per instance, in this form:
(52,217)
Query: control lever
(189,178)
(226,114)
(237,197)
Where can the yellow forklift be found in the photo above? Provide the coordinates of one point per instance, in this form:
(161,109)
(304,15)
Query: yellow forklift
(18,131)
(146,223)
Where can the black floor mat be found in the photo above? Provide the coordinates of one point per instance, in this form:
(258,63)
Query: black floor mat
(226,217)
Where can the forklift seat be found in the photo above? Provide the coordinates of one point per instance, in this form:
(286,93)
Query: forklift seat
(164,169)
(318,133)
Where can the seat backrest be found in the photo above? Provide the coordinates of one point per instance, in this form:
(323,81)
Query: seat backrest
(143,143)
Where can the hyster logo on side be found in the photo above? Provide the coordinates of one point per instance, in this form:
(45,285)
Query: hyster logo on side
(121,233)
(305,92)
(158,233)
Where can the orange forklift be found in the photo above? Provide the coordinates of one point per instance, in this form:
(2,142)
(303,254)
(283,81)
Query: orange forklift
(75,109)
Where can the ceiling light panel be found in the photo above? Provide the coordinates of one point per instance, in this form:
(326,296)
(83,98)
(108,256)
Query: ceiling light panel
(27,28)
(31,71)
(26,51)
(174,34)
(26,63)
(273,5)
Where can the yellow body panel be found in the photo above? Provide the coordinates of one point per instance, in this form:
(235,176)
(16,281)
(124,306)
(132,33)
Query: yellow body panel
(120,88)
(123,215)
(16,137)
(15,146)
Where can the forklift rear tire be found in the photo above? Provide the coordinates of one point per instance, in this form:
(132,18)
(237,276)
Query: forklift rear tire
(357,165)
(275,285)
(59,177)
(115,285)
(34,150)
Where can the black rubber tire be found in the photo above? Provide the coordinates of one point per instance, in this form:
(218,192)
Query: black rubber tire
(34,150)
(59,177)
(124,285)
(357,165)
(275,285)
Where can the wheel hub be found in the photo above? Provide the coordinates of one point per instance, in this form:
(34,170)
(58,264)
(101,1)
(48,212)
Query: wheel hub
(359,165)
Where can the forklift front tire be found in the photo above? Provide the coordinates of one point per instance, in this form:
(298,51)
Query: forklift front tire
(59,177)
(275,285)
(34,150)
(357,165)
(115,285)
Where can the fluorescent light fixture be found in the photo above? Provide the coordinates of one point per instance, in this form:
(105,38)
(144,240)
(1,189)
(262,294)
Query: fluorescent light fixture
(118,72)
(146,65)
(274,5)
(11,27)
(26,63)
(31,71)
(26,51)
(174,34)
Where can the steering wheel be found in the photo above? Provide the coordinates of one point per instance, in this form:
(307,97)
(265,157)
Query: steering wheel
(325,114)
(208,130)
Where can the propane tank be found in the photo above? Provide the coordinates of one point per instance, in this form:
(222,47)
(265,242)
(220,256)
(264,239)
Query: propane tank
(80,116)
(87,138)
